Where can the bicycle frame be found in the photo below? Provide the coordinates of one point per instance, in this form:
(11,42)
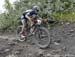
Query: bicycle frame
(36,27)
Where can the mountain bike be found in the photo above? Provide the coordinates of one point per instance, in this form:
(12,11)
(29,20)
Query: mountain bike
(41,34)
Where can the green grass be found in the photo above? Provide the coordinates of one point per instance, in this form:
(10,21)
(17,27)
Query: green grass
(65,17)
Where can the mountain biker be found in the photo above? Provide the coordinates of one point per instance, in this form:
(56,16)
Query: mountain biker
(27,15)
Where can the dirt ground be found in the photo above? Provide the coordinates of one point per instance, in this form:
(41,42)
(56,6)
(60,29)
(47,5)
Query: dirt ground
(62,43)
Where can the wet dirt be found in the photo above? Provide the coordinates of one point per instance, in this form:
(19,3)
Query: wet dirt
(62,43)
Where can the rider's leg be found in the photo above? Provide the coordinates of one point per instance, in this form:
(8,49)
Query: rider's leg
(31,30)
(23,27)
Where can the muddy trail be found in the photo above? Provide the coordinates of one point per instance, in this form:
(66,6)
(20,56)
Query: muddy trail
(62,43)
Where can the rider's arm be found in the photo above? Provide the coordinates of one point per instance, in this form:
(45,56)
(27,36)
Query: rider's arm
(29,18)
(44,20)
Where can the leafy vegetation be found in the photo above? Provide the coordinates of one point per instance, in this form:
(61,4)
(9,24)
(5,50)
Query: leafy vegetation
(57,9)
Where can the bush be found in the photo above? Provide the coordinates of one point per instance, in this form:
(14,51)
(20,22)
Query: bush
(65,17)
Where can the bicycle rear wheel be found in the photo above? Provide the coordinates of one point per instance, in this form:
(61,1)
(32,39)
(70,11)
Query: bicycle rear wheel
(42,37)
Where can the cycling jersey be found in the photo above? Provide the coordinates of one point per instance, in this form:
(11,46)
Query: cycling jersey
(29,12)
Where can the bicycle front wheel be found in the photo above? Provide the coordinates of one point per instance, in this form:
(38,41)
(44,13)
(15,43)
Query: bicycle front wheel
(42,37)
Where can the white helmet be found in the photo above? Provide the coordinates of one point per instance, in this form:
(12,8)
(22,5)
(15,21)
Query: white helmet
(36,8)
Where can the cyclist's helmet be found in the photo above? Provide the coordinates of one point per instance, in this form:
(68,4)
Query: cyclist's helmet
(36,8)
